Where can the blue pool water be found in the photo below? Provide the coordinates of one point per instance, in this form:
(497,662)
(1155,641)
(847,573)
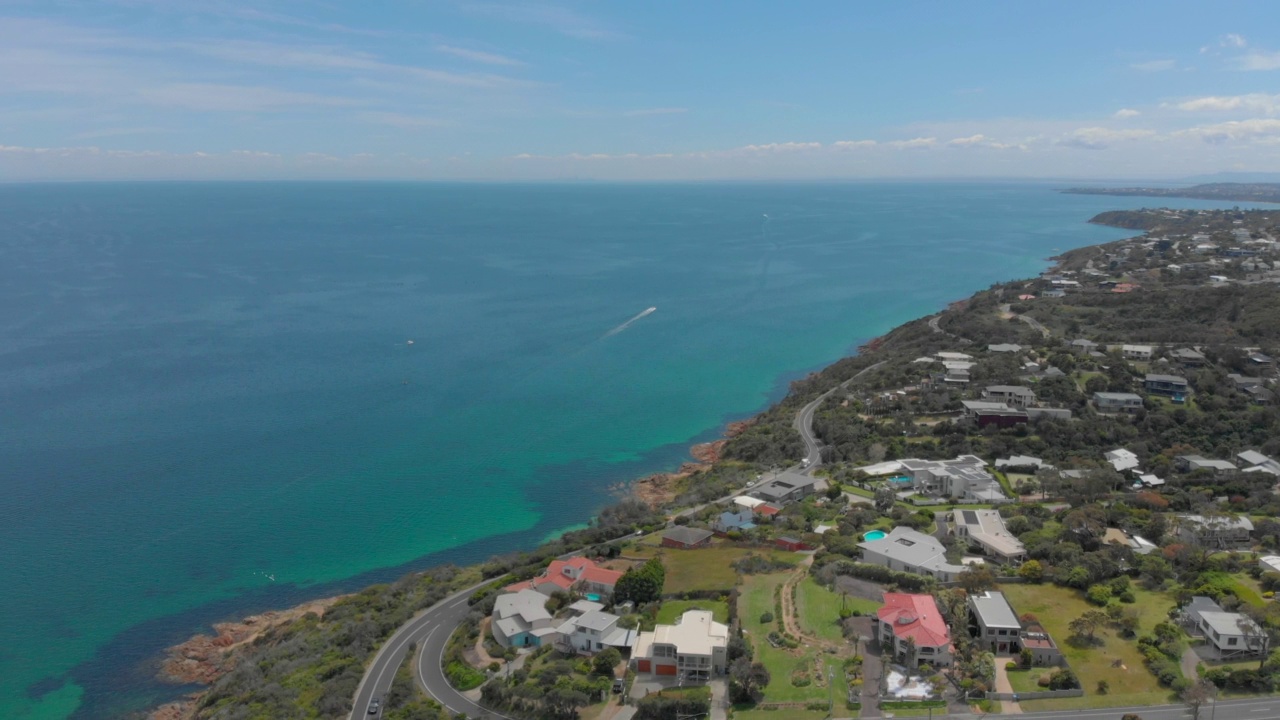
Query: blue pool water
(902,479)
(875,535)
(593,597)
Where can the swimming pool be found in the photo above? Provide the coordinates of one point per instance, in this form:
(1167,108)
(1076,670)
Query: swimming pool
(900,479)
(593,597)
(875,535)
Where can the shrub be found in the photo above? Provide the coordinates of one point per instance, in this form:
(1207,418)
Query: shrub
(766,617)
(1011,665)
(1098,594)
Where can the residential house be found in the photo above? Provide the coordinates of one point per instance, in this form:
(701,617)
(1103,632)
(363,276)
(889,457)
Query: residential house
(945,356)
(1044,651)
(911,551)
(907,621)
(592,632)
(1258,360)
(1253,461)
(1137,543)
(695,649)
(1259,395)
(986,529)
(741,520)
(1192,463)
(1243,382)
(1227,635)
(964,478)
(1112,402)
(1136,352)
(1269,563)
(1013,395)
(788,487)
(1187,357)
(1004,348)
(1217,532)
(1121,459)
(1021,461)
(520,619)
(683,537)
(1083,346)
(1170,386)
(792,544)
(993,413)
(577,573)
(994,624)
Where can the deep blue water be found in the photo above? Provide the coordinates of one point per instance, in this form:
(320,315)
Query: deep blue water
(207,386)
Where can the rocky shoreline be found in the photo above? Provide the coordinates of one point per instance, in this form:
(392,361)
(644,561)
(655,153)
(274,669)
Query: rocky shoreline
(203,659)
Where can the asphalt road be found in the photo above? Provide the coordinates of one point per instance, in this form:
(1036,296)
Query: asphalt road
(804,420)
(1245,709)
(430,630)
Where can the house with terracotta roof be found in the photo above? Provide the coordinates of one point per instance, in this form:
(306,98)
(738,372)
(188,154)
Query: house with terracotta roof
(907,619)
(575,574)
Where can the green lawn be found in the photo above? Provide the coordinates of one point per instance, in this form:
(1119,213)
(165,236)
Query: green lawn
(1131,683)
(820,609)
(789,714)
(672,610)
(704,569)
(1025,680)
(756,598)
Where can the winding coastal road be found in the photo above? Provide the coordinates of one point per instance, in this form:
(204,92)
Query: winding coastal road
(429,630)
(803,423)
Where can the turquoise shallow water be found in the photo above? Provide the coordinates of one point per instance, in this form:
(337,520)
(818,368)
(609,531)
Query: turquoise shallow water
(211,406)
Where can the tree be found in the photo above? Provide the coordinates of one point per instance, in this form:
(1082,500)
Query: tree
(885,498)
(977,579)
(1084,627)
(747,681)
(641,585)
(604,662)
(1196,695)
(909,652)
(1031,571)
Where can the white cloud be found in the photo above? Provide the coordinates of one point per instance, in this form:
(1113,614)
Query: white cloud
(1257,129)
(1155,65)
(982,141)
(853,144)
(1099,138)
(1259,60)
(1253,102)
(1233,40)
(919,143)
(1126,113)
(655,111)
(486,58)
(780,147)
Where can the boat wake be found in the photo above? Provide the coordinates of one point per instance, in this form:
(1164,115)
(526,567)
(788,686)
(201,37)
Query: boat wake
(627,324)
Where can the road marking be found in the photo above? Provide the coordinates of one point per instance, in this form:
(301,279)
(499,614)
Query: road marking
(425,640)
(1265,709)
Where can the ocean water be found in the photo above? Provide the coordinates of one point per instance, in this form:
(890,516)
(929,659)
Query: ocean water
(210,405)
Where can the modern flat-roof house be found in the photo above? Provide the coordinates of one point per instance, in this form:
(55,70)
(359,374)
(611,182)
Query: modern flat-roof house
(576,573)
(1004,348)
(908,550)
(995,625)
(985,529)
(1170,386)
(1081,345)
(1219,532)
(1227,634)
(684,537)
(1012,395)
(1136,352)
(1044,651)
(994,413)
(695,649)
(1122,459)
(788,487)
(520,619)
(964,477)
(1021,461)
(593,631)
(945,356)
(1113,402)
(1258,360)
(1191,463)
(1243,382)
(916,618)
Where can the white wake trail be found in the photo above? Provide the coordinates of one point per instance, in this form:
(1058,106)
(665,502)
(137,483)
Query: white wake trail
(627,324)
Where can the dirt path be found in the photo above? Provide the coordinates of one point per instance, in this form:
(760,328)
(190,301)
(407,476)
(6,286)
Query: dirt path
(1007,707)
(790,622)
(1189,662)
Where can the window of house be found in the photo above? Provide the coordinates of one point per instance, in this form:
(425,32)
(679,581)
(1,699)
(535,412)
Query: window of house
(1231,641)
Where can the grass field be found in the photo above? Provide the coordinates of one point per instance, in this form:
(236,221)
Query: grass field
(788,714)
(672,610)
(704,569)
(820,609)
(1131,683)
(756,598)
(1025,680)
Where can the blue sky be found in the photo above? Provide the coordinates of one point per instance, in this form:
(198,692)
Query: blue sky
(489,89)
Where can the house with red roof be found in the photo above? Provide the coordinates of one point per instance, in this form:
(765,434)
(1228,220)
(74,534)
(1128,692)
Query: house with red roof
(907,619)
(576,574)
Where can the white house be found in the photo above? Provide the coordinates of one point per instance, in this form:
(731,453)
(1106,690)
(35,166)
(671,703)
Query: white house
(594,631)
(694,649)
(911,551)
(1122,459)
(964,477)
(1136,352)
(520,619)
(985,528)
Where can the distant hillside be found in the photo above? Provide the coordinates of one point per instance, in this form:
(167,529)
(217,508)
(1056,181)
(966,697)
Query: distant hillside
(1248,192)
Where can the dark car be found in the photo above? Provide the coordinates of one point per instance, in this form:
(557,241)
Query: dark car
(375,705)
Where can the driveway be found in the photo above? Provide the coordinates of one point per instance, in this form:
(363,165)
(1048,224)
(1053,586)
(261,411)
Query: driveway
(1007,707)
